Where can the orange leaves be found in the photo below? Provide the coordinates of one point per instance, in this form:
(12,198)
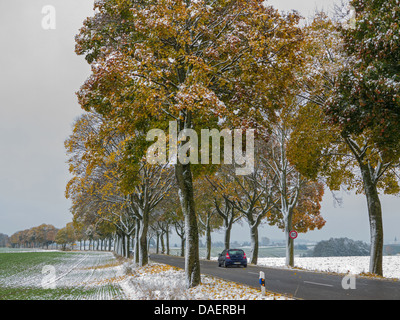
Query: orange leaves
(307,214)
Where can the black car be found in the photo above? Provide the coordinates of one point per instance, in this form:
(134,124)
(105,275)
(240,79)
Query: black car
(232,257)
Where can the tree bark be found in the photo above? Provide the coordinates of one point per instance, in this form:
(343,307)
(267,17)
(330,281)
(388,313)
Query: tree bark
(227,237)
(370,179)
(157,242)
(375,220)
(162,243)
(144,226)
(167,240)
(289,240)
(254,244)
(192,262)
(137,240)
(183,246)
(208,240)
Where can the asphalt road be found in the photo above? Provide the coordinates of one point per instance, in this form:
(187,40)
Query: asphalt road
(296,283)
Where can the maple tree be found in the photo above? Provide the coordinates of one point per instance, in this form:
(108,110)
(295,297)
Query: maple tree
(250,196)
(344,156)
(206,211)
(66,235)
(161,226)
(93,189)
(196,62)
(365,104)
(366,95)
(155,182)
(222,184)
(298,197)
(96,189)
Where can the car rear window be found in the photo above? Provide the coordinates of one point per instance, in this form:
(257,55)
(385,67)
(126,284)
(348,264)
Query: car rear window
(236,252)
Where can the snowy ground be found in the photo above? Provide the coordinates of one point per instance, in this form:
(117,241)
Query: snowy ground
(100,276)
(160,282)
(75,275)
(94,275)
(353,265)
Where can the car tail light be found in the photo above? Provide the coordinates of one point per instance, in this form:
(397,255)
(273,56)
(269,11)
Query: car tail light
(227,256)
(244,255)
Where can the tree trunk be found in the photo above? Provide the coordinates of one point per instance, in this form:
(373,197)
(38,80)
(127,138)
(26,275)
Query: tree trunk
(123,247)
(136,249)
(192,262)
(143,256)
(157,242)
(208,240)
(128,246)
(254,244)
(118,244)
(289,240)
(228,218)
(227,236)
(167,240)
(162,242)
(182,246)
(375,220)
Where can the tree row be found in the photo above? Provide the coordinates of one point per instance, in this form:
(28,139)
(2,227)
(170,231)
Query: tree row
(321,97)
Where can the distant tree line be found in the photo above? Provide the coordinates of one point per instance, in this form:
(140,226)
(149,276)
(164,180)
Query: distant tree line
(340,247)
(35,237)
(68,237)
(89,237)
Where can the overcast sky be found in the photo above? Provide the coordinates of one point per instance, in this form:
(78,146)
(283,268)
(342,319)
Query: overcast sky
(39,75)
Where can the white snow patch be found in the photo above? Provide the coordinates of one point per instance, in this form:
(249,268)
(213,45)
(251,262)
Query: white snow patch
(161,282)
(354,265)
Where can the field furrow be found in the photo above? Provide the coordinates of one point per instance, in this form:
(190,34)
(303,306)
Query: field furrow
(77,275)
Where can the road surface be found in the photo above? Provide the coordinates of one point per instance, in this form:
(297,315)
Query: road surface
(296,283)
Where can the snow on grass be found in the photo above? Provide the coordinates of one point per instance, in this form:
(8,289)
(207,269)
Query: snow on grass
(353,265)
(161,282)
(78,275)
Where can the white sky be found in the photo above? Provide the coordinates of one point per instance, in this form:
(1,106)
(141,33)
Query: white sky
(39,75)
(305,7)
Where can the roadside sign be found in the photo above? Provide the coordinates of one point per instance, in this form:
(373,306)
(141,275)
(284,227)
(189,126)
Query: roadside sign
(293,234)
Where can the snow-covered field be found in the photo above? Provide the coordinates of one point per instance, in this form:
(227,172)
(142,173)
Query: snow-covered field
(59,275)
(353,265)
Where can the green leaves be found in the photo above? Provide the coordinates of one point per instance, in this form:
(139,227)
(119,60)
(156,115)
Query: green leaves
(367,91)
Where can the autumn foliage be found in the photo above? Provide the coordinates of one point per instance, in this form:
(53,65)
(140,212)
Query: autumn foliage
(221,64)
